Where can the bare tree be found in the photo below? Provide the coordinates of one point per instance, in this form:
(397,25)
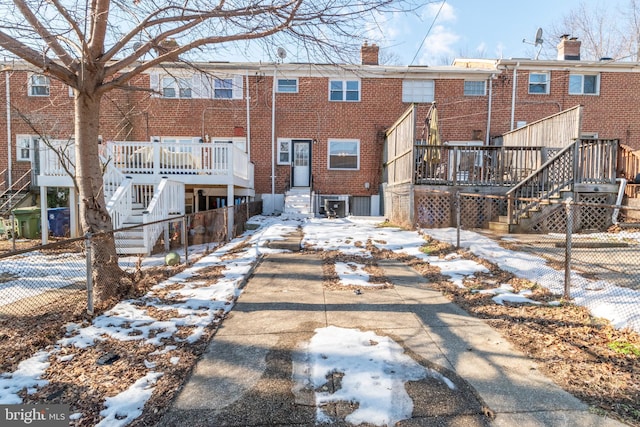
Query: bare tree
(605,32)
(100,45)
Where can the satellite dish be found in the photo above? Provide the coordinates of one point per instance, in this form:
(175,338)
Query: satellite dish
(538,41)
(137,45)
(282,53)
(539,37)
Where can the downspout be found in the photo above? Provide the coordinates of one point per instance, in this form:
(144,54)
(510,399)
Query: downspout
(248,117)
(9,154)
(616,211)
(486,142)
(273,138)
(513,95)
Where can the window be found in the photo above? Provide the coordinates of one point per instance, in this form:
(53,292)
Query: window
(223,88)
(539,83)
(418,91)
(174,143)
(344,90)
(344,154)
(39,85)
(174,87)
(287,85)
(196,86)
(584,84)
(24,147)
(284,151)
(474,88)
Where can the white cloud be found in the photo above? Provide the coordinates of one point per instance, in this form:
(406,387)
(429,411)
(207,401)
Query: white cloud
(438,44)
(446,12)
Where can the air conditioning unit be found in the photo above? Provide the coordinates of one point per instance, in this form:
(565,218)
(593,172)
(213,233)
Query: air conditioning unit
(335,208)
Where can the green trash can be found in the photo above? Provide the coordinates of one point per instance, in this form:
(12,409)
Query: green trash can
(27,222)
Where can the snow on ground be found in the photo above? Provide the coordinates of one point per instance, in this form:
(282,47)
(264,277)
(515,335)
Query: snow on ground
(372,370)
(616,304)
(350,352)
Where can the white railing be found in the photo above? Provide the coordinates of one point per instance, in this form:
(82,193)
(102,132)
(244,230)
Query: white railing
(168,200)
(215,159)
(119,204)
(58,158)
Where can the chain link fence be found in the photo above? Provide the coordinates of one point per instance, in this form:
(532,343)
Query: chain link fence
(580,250)
(57,278)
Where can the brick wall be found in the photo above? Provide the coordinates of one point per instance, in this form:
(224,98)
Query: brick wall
(308,114)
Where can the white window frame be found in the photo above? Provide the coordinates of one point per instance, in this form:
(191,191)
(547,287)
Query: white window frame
(332,141)
(546,83)
(181,86)
(34,83)
(200,85)
(346,87)
(581,78)
(474,86)
(284,148)
(420,91)
(25,144)
(179,140)
(282,88)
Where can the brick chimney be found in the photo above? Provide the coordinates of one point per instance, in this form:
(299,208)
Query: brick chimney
(569,48)
(369,54)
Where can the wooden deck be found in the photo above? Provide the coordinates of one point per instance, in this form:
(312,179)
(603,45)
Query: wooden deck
(146,162)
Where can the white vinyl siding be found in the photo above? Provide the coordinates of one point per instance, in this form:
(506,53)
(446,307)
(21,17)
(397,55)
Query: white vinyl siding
(418,91)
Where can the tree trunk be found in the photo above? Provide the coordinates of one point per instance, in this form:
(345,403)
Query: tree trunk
(94,218)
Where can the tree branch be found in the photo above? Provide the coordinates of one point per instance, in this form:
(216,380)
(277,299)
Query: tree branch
(46,36)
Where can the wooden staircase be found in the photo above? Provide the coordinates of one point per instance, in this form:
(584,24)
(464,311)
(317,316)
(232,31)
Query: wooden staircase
(585,166)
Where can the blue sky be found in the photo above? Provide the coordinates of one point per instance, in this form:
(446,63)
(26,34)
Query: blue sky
(472,28)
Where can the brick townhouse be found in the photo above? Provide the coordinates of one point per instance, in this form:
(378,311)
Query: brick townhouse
(320,126)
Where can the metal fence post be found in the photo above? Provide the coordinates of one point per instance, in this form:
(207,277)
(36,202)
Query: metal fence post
(185,239)
(458,208)
(567,254)
(87,250)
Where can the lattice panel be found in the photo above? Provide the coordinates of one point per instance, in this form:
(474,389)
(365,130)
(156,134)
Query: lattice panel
(433,210)
(594,217)
(562,169)
(553,221)
(476,212)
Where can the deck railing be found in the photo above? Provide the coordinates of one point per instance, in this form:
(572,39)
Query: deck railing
(173,159)
(475,165)
(219,158)
(168,200)
(586,161)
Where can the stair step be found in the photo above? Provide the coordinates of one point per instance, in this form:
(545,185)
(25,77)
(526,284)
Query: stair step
(500,227)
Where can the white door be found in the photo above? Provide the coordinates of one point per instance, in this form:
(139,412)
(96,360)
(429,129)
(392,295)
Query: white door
(301,163)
